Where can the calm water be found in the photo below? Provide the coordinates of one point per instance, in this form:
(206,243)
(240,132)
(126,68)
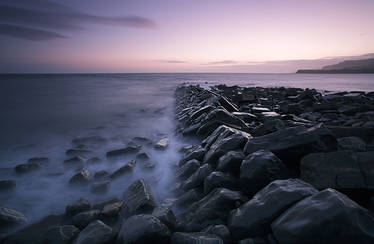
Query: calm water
(41,114)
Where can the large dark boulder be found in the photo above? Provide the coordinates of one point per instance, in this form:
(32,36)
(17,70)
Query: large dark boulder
(189,197)
(197,154)
(255,216)
(221,132)
(235,141)
(325,217)
(213,209)
(10,217)
(352,143)
(259,169)
(143,229)
(96,233)
(139,199)
(195,238)
(197,178)
(26,168)
(81,220)
(291,144)
(166,216)
(219,230)
(218,179)
(124,170)
(80,206)
(188,169)
(81,178)
(231,162)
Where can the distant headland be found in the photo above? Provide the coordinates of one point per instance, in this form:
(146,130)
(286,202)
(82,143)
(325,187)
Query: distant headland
(363,66)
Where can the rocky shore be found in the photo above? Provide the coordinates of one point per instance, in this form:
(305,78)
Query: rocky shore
(273,165)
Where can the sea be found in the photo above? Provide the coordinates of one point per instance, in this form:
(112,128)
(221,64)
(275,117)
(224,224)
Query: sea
(42,114)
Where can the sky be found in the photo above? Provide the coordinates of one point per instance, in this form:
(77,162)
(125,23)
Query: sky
(264,36)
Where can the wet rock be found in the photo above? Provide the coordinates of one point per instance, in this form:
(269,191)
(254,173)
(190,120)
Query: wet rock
(162,144)
(195,238)
(325,217)
(291,108)
(197,153)
(213,209)
(268,126)
(7,185)
(75,161)
(130,150)
(26,168)
(219,230)
(166,216)
(189,197)
(246,117)
(94,160)
(100,205)
(255,216)
(10,217)
(142,156)
(224,145)
(81,220)
(112,210)
(80,206)
(221,132)
(100,187)
(259,110)
(366,134)
(143,229)
(259,169)
(256,240)
(31,233)
(188,169)
(220,180)
(197,178)
(59,234)
(339,170)
(81,178)
(291,144)
(96,233)
(78,152)
(102,175)
(39,160)
(231,162)
(351,143)
(124,170)
(139,198)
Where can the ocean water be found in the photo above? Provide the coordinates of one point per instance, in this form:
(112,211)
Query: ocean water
(40,115)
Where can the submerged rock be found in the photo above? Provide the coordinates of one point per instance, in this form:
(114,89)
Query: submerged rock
(255,216)
(143,229)
(78,152)
(162,144)
(80,206)
(39,160)
(80,178)
(10,217)
(26,168)
(126,169)
(100,187)
(130,150)
(96,233)
(325,217)
(81,220)
(195,238)
(7,185)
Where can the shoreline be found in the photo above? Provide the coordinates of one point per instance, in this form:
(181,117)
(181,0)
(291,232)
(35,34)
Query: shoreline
(266,155)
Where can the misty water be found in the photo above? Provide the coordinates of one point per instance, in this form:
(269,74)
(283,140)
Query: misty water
(42,114)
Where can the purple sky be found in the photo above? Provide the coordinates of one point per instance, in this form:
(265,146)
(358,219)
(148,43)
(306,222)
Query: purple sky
(182,35)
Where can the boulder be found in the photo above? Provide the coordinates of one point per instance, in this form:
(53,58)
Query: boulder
(246,117)
(197,178)
(259,169)
(195,238)
(124,170)
(10,217)
(139,198)
(221,132)
(231,162)
(38,160)
(220,180)
(223,145)
(291,144)
(256,240)
(81,220)
(81,178)
(101,204)
(197,153)
(96,233)
(102,175)
(7,185)
(325,217)
(166,216)
(130,150)
(143,228)
(112,210)
(221,231)
(77,160)
(339,170)
(63,234)
(189,197)
(213,209)
(100,187)
(78,152)
(255,216)
(80,206)
(351,143)
(26,168)
(188,169)
(162,144)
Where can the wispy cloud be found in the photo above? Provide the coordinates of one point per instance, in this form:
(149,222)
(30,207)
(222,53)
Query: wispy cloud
(171,61)
(221,62)
(47,18)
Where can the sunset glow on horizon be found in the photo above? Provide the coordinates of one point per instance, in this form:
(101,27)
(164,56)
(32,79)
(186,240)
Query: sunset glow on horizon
(182,36)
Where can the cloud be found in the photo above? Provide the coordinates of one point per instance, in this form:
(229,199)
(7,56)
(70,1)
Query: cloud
(221,62)
(28,33)
(39,15)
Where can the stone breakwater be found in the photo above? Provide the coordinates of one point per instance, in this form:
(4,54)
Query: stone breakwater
(273,165)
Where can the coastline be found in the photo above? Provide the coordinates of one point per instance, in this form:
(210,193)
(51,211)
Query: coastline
(258,144)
